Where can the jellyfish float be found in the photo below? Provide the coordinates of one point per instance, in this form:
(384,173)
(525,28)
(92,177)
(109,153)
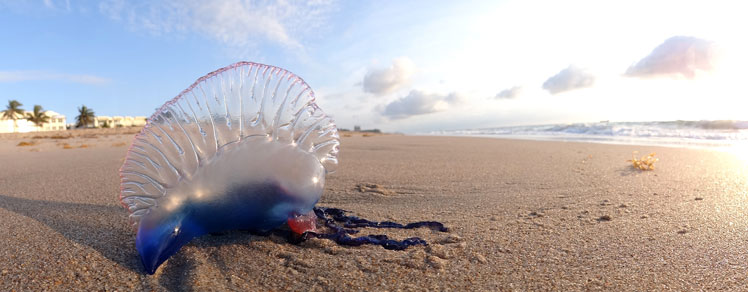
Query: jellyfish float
(244,148)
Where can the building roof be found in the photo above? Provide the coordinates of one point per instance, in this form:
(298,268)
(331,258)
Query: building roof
(53,114)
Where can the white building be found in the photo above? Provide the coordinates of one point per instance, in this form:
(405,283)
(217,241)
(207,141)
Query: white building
(22,125)
(119,121)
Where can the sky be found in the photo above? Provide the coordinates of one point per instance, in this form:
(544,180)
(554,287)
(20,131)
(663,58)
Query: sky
(400,66)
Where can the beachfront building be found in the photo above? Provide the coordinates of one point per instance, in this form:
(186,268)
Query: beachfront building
(119,121)
(21,125)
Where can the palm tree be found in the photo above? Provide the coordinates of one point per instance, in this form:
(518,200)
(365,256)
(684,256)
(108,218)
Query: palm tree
(85,117)
(12,111)
(38,117)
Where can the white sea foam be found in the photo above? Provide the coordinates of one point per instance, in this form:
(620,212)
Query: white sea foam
(669,133)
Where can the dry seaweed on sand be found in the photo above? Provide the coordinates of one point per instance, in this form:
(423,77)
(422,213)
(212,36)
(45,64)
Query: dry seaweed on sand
(58,136)
(644,163)
(24,143)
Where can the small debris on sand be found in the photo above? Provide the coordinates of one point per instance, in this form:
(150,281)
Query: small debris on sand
(24,143)
(436,262)
(604,218)
(699,198)
(439,251)
(452,239)
(373,188)
(480,258)
(535,214)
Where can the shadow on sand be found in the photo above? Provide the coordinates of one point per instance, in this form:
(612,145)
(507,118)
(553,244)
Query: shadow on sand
(104,229)
(629,171)
(100,227)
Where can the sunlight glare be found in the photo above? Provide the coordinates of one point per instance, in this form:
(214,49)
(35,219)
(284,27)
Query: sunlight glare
(740,152)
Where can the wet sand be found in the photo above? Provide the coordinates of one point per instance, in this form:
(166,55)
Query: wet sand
(524,215)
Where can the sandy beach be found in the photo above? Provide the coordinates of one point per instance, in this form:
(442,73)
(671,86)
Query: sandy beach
(523,215)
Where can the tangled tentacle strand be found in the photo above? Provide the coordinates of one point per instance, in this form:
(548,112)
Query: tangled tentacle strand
(341,235)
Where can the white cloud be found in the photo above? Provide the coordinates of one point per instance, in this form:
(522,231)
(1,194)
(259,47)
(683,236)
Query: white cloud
(50,4)
(678,55)
(388,80)
(17,76)
(569,79)
(419,103)
(509,93)
(234,22)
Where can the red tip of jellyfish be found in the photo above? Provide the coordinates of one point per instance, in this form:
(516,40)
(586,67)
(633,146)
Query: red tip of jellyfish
(303,223)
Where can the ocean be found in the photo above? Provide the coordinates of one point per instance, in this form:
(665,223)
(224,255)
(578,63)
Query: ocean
(695,134)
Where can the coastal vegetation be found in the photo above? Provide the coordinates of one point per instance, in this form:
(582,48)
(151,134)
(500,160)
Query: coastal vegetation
(13,111)
(85,117)
(38,117)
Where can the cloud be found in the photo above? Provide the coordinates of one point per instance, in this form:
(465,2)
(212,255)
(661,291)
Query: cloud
(419,103)
(64,5)
(678,55)
(234,22)
(569,79)
(17,76)
(388,80)
(509,93)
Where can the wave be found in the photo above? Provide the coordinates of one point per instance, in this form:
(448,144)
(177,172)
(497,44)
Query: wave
(681,132)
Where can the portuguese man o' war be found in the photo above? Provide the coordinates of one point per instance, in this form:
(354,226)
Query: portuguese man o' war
(244,148)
